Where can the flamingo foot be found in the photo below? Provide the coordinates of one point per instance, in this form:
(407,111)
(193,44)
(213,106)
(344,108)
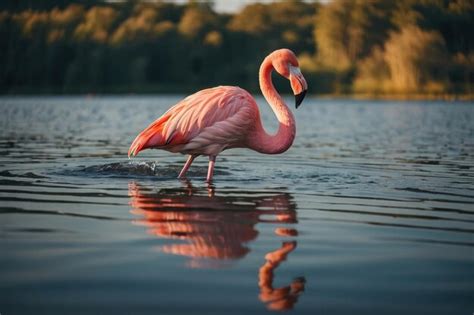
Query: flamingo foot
(187,165)
(210,170)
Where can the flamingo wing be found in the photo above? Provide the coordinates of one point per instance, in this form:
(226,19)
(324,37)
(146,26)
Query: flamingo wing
(206,122)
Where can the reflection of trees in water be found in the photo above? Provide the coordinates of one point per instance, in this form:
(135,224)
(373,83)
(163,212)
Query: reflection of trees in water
(219,227)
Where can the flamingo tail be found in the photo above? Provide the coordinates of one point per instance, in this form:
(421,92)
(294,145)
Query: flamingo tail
(150,137)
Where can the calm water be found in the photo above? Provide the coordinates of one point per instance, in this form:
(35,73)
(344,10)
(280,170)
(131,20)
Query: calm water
(370,212)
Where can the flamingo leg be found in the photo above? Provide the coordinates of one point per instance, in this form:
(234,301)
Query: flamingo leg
(210,170)
(187,165)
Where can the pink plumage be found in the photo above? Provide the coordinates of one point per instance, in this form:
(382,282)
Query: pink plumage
(215,119)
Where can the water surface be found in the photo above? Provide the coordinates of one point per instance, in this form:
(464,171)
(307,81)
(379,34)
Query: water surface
(370,212)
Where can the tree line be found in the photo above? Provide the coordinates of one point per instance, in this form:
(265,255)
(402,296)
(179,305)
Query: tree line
(344,46)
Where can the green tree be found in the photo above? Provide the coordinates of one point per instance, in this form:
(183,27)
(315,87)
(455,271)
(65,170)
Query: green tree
(197,20)
(97,24)
(346,31)
(415,58)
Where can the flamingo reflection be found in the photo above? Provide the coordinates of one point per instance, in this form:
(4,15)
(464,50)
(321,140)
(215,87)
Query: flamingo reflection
(217,228)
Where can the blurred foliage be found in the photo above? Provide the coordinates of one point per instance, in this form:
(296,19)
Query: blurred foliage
(376,46)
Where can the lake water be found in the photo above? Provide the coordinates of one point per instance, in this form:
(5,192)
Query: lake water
(370,212)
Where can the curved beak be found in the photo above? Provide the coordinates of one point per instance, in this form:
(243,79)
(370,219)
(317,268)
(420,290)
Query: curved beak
(298,85)
(299,98)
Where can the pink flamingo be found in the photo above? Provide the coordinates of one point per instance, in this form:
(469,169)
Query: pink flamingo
(215,119)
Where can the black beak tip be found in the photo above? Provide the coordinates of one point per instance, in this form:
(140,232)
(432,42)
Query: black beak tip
(299,98)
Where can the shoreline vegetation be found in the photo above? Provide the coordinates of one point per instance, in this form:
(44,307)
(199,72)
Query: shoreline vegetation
(406,49)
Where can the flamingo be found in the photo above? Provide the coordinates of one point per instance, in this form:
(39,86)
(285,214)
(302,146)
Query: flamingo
(224,117)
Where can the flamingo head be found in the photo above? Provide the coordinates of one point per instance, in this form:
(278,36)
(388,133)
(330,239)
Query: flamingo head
(285,63)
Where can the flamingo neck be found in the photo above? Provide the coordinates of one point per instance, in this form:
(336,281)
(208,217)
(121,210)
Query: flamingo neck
(280,142)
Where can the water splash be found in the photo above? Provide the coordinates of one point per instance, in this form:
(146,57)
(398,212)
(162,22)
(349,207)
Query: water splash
(134,169)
